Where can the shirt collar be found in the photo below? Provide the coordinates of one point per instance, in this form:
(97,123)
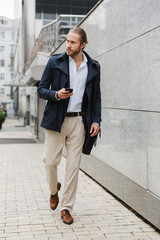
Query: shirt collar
(85,60)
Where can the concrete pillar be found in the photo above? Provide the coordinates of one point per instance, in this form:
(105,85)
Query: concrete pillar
(29,24)
(28,110)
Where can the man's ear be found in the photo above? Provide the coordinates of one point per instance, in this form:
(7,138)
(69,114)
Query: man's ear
(83,45)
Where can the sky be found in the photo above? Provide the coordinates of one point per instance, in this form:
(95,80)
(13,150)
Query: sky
(7,8)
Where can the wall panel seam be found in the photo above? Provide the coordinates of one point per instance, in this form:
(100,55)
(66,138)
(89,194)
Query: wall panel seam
(122,44)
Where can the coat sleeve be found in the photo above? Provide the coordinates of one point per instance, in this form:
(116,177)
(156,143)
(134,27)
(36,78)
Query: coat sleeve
(97,107)
(44,90)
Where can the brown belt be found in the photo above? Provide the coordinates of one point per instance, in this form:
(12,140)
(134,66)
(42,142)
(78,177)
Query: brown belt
(75,114)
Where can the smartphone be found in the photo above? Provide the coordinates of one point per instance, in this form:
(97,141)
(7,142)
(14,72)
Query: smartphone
(69,89)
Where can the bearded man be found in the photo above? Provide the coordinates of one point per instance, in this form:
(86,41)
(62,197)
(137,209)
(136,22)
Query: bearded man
(71,84)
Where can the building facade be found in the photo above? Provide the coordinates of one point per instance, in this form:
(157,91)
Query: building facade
(8,32)
(47,11)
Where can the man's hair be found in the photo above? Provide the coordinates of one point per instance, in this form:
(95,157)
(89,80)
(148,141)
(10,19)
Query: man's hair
(81,32)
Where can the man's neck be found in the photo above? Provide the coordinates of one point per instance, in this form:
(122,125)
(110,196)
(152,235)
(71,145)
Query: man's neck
(78,58)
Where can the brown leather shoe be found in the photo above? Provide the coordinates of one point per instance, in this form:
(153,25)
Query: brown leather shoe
(66,216)
(54,199)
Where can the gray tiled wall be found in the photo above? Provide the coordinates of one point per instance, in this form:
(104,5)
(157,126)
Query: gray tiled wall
(124,37)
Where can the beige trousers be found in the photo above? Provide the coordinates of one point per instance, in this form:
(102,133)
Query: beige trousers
(72,136)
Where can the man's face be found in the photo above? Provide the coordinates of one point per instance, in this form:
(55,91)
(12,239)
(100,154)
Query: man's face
(74,45)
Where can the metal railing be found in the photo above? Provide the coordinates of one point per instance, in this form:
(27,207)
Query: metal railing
(53,34)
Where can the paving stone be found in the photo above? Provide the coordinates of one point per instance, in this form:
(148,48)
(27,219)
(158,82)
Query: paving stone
(5,235)
(114,235)
(26,214)
(146,233)
(153,235)
(136,238)
(100,238)
(20,238)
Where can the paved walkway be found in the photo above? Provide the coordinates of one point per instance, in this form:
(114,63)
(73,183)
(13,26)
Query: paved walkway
(24,200)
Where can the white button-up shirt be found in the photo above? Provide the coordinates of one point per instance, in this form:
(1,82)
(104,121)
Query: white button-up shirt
(77,82)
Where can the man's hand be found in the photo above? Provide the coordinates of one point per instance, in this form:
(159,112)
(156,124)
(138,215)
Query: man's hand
(63,94)
(94,129)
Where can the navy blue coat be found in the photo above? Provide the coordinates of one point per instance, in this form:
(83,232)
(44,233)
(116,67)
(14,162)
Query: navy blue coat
(56,77)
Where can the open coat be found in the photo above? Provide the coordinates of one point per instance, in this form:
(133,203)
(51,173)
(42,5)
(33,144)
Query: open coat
(56,77)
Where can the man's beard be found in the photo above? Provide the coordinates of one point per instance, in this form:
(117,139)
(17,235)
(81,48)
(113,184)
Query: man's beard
(74,53)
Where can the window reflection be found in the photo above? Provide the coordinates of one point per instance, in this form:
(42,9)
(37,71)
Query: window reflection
(50,10)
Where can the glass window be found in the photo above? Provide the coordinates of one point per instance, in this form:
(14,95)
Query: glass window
(49,12)
(12,62)
(45,22)
(2,21)
(2,35)
(2,49)
(2,91)
(38,12)
(78,10)
(63,10)
(63,2)
(79,3)
(91,4)
(1,76)
(2,62)
(12,36)
(87,9)
(12,48)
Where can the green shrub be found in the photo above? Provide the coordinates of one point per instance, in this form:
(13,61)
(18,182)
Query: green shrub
(2,116)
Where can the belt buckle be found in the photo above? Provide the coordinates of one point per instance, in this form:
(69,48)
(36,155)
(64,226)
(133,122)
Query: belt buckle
(78,113)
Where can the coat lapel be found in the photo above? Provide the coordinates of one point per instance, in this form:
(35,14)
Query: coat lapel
(62,64)
(92,72)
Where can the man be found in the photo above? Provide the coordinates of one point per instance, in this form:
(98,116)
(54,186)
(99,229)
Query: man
(68,115)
